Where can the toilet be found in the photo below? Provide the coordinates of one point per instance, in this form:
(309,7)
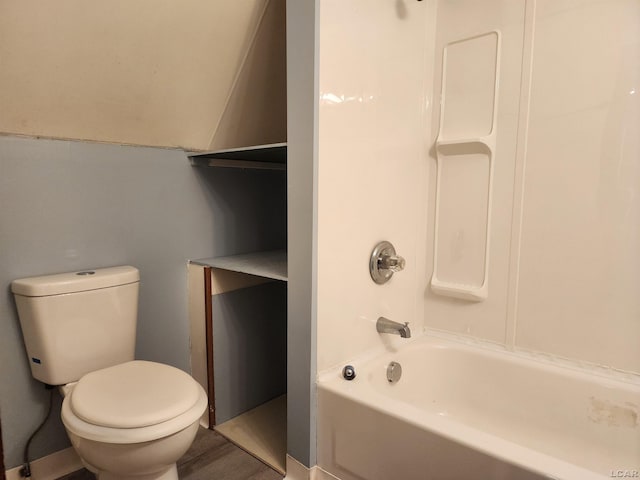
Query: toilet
(126,418)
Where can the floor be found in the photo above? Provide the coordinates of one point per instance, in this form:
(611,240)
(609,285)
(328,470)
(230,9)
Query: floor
(211,456)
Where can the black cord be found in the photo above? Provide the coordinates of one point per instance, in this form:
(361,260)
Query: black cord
(26,467)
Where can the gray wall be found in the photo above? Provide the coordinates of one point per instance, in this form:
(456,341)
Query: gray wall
(66,206)
(249,347)
(302,155)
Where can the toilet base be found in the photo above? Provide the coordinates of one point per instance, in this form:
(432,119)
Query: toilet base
(169,474)
(153,460)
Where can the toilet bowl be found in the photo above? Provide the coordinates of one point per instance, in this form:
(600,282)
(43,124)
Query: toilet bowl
(127,419)
(133,420)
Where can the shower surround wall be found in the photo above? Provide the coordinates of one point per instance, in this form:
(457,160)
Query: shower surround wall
(373,76)
(564,266)
(579,261)
(560,224)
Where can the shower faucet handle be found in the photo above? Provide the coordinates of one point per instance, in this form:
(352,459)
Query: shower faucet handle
(395,263)
(384,262)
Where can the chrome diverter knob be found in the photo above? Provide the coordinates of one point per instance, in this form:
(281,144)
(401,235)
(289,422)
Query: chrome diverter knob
(384,262)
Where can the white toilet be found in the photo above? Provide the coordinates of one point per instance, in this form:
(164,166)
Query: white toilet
(126,419)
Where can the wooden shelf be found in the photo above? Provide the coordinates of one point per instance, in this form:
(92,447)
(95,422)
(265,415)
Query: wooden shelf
(271,264)
(266,157)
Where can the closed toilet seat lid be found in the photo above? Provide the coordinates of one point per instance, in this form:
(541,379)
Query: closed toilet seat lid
(133,395)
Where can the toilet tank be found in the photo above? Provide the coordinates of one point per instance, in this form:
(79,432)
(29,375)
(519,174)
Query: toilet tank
(78,322)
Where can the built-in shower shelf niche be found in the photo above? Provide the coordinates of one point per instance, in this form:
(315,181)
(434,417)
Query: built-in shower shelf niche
(464,153)
(265,157)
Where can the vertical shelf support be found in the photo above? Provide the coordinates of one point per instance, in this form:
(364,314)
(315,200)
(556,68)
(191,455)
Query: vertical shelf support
(209,339)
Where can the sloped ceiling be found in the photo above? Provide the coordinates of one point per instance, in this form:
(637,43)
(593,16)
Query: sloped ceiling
(148,72)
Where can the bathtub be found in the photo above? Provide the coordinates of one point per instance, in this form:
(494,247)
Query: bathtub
(470,411)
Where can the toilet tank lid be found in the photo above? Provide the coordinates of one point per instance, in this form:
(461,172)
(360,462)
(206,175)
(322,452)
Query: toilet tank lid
(73,282)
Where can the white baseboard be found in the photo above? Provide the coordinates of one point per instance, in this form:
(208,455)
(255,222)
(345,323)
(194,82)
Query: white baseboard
(50,467)
(298,471)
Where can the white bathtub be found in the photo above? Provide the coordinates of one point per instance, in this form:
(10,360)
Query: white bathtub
(463,411)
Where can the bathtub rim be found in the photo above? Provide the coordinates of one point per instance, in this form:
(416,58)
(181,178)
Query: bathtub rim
(451,429)
(545,359)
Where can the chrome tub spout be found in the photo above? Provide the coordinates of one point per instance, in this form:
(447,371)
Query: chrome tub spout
(384,325)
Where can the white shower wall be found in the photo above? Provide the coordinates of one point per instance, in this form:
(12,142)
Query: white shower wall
(579,264)
(462,236)
(374,97)
(563,264)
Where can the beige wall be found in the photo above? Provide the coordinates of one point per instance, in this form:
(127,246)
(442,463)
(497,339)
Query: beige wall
(147,72)
(256,111)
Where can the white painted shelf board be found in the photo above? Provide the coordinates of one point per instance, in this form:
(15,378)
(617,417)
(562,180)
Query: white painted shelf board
(271,264)
(271,157)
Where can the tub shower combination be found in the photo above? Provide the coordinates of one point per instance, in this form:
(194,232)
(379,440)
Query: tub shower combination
(464,410)
(521,231)
(448,407)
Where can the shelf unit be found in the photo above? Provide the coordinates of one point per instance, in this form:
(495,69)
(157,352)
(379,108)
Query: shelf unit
(243,322)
